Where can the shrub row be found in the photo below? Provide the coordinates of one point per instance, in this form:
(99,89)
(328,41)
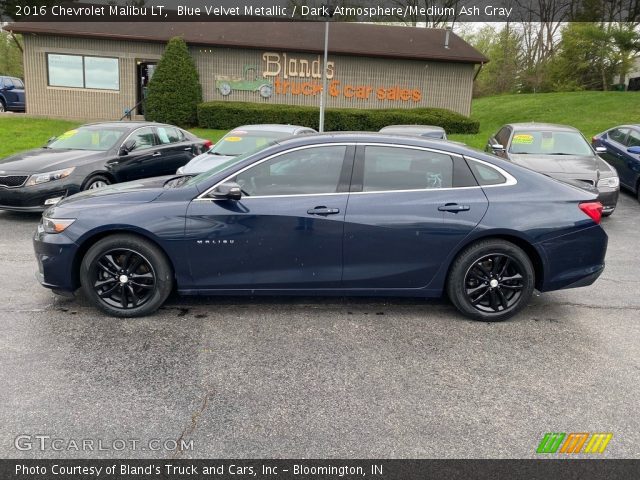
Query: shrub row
(224,115)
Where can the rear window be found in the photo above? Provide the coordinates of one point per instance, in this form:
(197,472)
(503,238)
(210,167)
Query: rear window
(240,141)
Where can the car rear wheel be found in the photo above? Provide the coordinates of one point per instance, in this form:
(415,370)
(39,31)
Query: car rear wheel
(97,181)
(126,276)
(491,280)
(2,107)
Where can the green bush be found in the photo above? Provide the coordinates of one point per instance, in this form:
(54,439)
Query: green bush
(226,115)
(174,90)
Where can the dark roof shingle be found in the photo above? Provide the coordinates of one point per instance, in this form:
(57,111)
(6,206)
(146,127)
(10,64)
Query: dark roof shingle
(360,39)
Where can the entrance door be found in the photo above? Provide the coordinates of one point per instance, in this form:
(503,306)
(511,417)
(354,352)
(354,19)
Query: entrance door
(144,71)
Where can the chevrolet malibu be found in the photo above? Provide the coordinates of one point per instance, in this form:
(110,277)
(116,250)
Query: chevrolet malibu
(90,157)
(331,214)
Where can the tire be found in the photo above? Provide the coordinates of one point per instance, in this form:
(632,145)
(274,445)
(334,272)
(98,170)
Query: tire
(608,214)
(126,276)
(3,108)
(484,286)
(97,181)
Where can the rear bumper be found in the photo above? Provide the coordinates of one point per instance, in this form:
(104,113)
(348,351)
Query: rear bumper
(574,260)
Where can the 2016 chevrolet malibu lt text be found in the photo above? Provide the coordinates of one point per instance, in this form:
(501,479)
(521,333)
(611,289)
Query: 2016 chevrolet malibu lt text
(93,156)
(346,214)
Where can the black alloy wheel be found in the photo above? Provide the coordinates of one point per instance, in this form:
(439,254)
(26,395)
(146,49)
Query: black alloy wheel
(126,276)
(491,280)
(124,279)
(494,283)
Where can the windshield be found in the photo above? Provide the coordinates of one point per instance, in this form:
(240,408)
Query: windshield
(226,164)
(238,142)
(549,143)
(89,138)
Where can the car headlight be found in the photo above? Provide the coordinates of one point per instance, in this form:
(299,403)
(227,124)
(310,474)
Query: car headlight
(56,225)
(611,182)
(39,178)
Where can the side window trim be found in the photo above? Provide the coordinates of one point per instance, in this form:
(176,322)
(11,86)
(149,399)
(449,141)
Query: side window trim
(510,179)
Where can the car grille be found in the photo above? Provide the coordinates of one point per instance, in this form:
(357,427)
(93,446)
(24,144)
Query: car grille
(13,180)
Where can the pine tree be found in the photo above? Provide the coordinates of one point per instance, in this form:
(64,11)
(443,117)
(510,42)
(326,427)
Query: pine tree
(174,90)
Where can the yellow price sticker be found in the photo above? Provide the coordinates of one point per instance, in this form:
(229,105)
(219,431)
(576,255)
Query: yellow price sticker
(68,134)
(233,139)
(523,138)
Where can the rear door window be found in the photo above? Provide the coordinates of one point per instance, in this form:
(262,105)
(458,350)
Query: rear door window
(634,139)
(392,168)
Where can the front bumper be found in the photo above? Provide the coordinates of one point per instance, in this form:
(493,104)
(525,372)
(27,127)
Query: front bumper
(608,197)
(31,199)
(55,254)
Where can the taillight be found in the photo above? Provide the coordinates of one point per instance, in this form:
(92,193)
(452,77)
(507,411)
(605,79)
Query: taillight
(594,139)
(208,144)
(593,209)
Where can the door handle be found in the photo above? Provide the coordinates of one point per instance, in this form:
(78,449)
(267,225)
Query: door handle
(156,154)
(323,211)
(454,208)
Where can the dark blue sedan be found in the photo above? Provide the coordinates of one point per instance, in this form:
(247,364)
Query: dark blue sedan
(620,147)
(333,214)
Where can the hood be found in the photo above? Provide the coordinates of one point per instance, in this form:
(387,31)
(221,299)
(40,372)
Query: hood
(45,160)
(141,191)
(204,162)
(576,166)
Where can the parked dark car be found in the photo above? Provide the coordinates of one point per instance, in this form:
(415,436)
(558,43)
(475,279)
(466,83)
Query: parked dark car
(561,152)
(12,96)
(332,214)
(246,138)
(428,131)
(621,148)
(93,156)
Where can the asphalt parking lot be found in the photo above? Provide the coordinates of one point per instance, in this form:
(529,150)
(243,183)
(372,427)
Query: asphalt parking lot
(328,377)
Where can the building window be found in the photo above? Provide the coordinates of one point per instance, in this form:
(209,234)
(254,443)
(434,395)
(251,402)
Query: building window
(83,72)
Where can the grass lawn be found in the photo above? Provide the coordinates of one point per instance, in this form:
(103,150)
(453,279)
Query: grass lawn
(19,133)
(590,112)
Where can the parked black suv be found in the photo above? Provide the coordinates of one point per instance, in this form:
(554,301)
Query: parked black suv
(11,94)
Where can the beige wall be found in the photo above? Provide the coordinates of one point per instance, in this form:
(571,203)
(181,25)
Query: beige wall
(444,85)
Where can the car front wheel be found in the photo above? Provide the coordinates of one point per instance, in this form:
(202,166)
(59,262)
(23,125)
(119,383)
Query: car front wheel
(491,280)
(97,181)
(126,276)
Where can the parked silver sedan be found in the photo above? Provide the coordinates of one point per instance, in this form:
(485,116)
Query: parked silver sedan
(239,141)
(561,152)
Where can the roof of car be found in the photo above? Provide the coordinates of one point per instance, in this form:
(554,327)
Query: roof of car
(535,126)
(377,137)
(412,128)
(128,123)
(272,127)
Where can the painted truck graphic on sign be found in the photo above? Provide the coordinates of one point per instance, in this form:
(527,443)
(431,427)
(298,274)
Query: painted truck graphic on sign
(248,82)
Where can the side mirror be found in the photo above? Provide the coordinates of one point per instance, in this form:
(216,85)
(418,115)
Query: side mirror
(9,87)
(127,147)
(227,191)
(601,149)
(634,150)
(497,147)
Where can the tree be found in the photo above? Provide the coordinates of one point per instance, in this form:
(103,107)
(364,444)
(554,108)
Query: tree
(503,49)
(174,90)
(10,55)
